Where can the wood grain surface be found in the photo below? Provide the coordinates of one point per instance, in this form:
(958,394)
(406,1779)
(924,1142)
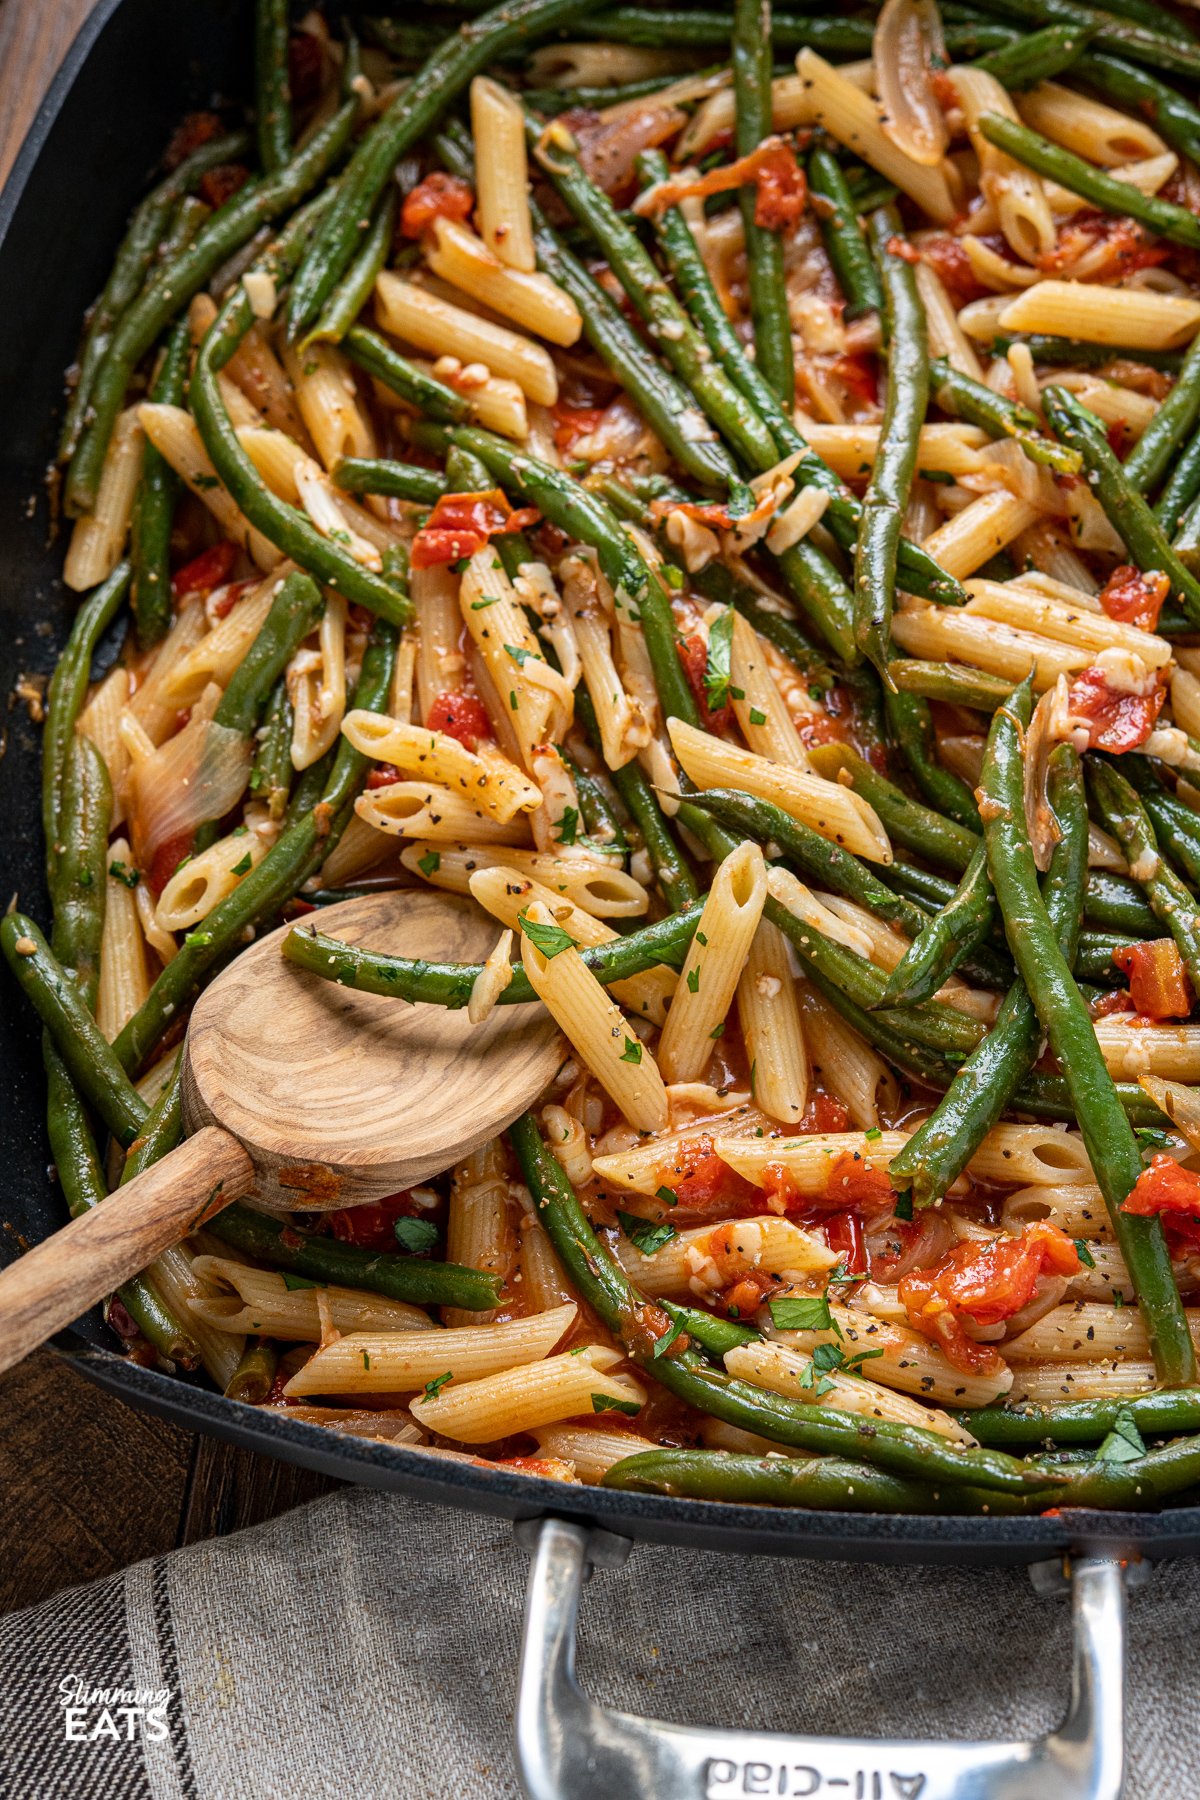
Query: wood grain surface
(87,1485)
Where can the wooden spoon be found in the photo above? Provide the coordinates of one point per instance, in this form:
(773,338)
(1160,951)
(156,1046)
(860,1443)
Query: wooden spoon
(302,1094)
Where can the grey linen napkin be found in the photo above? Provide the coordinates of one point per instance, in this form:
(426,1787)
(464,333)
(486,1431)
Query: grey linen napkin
(366,1645)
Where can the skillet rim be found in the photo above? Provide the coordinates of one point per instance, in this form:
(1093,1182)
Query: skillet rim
(708,1525)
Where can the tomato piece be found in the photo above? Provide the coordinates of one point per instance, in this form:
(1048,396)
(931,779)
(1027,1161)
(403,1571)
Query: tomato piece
(166,859)
(461,524)
(461,716)
(844,1235)
(223,604)
(1117,1000)
(860,375)
(952,266)
(1158,981)
(703,1184)
(373,1226)
(1135,598)
(205,572)
(222,183)
(854,1181)
(824,1113)
(194,130)
(819,728)
(780,189)
(1117,720)
(984,1283)
(1127,247)
(1164,1187)
(383,775)
(693,654)
(439,196)
(743,1299)
(572,423)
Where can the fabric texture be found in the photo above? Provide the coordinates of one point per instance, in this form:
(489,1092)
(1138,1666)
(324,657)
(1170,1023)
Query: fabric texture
(367,1645)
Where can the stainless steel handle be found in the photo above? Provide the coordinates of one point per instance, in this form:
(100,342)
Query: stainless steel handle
(568,1748)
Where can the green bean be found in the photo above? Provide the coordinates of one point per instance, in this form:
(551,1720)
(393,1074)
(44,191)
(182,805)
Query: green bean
(412,1279)
(255,1374)
(1094,958)
(307,839)
(715,1336)
(1126,510)
(907,822)
(272,91)
(1175,119)
(66,693)
(173,284)
(410,42)
(600,817)
(1123,814)
(948,681)
(78,885)
(294,611)
(1074,353)
(978,405)
(1176,826)
(551,101)
(403,481)
(358,283)
(910,731)
(430,396)
(1115,31)
(1038,58)
(921,574)
(701,28)
(585,518)
(1105,191)
(1045,1096)
(154,502)
(750,55)
(78,1040)
(1181,489)
(271,770)
(1109,1139)
(1151,456)
(1115,903)
(604,1285)
(946,941)
(661,399)
(842,234)
(133,260)
(289,529)
(1085,1421)
(675,879)
(828,1482)
(414,111)
(985,1086)
(678,340)
(450,984)
(904,407)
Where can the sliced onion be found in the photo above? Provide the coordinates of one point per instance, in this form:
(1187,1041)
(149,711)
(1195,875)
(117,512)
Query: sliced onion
(1180,1103)
(910,115)
(1048,726)
(197,775)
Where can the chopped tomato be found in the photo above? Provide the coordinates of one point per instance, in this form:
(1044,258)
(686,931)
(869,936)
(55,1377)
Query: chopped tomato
(572,423)
(1164,1187)
(952,266)
(372,1227)
(944,90)
(1118,438)
(853,1181)
(205,572)
(1117,721)
(461,716)
(1135,598)
(461,524)
(1158,981)
(819,728)
(859,374)
(223,603)
(844,1235)
(439,196)
(383,775)
(196,129)
(743,1299)
(984,1283)
(825,1113)
(166,859)
(693,654)
(702,1183)
(222,183)
(1126,245)
(1117,1000)
(305,63)
(771,168)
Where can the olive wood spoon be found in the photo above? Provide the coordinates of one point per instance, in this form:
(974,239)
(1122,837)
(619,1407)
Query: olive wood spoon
(301,1094)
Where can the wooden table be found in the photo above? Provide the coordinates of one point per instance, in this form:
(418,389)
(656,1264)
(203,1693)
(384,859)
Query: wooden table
(86,1484)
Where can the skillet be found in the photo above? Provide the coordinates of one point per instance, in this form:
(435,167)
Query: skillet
(135,68)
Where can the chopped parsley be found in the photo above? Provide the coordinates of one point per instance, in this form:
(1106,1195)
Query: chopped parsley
(672,576)
(1150,1138)
(718,1030)
(717,665)
(244,867)
(551,940)
(1124,1442)
(430,863)
(667,1195)
(433,1388)
(802,1312)
(693,981)
(904,1205)
(756,717)
(648,1235)
(519,655)
(416,1235)
(609,1403)
(121,871)
(632,1053)
(1084,1254)
(293,1282)
(568,825)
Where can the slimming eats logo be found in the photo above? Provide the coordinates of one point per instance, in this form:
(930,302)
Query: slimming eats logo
(93,1715)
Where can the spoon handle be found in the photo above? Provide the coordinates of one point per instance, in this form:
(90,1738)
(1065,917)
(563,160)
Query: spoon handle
(65,1274)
